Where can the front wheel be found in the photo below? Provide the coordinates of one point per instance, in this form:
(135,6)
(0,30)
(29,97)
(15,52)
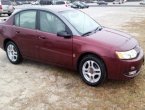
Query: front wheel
(13,53)
(92,70)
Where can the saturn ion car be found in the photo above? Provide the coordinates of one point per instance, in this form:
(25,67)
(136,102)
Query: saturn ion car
(69,38)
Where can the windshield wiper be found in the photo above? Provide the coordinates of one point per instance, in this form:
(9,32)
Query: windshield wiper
(93,31)
(99,28)
(87,33)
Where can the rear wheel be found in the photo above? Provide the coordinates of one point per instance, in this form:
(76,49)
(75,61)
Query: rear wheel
(92,70)
(13,53)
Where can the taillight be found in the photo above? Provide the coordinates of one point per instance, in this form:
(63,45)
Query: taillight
(0,6)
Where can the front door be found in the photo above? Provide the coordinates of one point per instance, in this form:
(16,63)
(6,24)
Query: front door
(52,48)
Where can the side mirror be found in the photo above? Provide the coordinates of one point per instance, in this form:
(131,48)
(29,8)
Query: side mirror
(64,34)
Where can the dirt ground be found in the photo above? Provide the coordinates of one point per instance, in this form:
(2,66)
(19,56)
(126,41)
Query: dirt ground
(36,86)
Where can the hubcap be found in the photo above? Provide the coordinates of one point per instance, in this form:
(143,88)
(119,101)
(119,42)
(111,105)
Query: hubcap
(91,71)
(12,53)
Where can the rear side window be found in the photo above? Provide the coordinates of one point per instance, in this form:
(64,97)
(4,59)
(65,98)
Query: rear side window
(5,2)
(26,19)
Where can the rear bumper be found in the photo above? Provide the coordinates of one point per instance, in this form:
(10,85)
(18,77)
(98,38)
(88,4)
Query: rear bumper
(125,69)
(6,12)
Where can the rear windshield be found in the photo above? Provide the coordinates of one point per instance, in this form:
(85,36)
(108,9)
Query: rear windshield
(5,2)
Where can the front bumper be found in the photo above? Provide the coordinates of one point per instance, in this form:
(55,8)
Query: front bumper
(125,69)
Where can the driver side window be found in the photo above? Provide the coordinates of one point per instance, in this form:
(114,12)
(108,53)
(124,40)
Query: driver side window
(51,23)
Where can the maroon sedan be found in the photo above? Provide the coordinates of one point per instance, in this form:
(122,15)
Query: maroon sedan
(71,39)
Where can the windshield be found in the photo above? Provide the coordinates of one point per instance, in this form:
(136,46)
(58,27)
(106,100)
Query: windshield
(80,21)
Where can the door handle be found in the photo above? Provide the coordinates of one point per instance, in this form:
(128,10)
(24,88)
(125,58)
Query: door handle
(42,37)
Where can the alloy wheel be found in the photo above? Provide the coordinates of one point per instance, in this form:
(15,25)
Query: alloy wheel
(91,71)
(12,52)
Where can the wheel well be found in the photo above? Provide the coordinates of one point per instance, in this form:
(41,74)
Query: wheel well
(88,53)
(5,42)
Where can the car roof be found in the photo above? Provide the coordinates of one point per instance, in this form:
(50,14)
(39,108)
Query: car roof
(53,8)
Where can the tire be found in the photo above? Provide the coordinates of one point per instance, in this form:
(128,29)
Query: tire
(94,74)
(13,53)
(9,14)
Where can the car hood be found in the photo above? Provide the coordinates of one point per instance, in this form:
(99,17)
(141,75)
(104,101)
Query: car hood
(113,39)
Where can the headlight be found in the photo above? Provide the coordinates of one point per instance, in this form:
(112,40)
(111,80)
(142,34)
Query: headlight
(127,54)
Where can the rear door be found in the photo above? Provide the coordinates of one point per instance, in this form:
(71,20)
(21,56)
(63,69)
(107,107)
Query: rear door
(25,33)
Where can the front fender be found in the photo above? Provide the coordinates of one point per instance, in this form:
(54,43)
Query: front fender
(80,51)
